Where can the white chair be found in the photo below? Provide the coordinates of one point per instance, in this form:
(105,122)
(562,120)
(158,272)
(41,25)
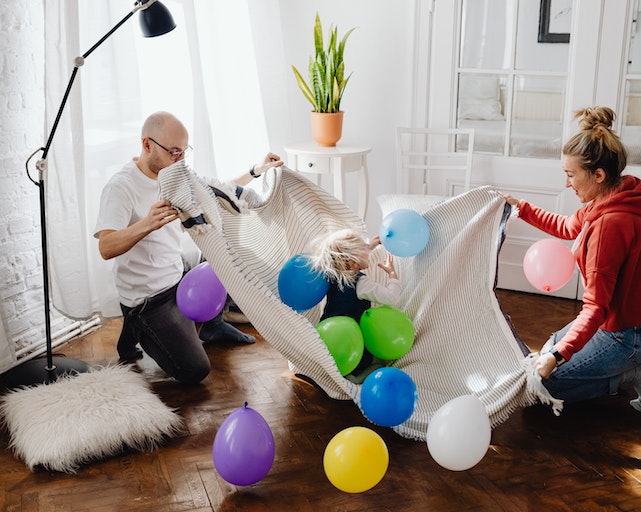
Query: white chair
(434,162)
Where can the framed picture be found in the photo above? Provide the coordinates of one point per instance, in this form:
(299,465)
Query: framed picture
(554,21)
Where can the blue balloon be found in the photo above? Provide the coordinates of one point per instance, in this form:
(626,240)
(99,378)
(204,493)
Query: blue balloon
(299,285)
(388,397)
(404,232)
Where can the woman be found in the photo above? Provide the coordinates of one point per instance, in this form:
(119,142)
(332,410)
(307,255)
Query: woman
(601,348)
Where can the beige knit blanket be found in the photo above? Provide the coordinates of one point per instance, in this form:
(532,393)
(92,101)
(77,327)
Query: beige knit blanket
(463,344)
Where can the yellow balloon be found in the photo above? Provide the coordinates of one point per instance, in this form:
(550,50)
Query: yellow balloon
(356,459)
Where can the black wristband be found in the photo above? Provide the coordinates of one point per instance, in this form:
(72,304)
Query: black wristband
(252,173)
(557,355)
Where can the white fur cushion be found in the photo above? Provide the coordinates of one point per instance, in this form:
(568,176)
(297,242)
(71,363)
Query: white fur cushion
(85,417)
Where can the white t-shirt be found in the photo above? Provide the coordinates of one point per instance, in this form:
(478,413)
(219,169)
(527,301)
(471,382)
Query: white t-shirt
(154,264)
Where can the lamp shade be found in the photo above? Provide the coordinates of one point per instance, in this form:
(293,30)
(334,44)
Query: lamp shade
(156,20)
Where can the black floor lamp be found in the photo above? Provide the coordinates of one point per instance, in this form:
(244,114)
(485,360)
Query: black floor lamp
(155,20)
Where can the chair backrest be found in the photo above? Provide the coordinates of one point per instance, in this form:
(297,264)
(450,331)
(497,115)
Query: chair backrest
(433,156)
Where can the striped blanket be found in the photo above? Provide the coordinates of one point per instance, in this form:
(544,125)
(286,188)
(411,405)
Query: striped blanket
(463,343)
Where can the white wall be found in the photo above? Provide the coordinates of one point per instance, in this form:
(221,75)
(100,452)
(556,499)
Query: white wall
(21,114)
(378,95)
(378,98)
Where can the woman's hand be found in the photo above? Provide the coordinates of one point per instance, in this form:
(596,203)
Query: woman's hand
(512,201)
(545,365)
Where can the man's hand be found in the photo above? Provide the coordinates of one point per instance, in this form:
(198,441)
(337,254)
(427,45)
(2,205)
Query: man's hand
(270,160)
(160,213)
(112,243)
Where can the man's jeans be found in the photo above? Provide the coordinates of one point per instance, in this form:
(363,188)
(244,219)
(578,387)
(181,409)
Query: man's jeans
(167,336)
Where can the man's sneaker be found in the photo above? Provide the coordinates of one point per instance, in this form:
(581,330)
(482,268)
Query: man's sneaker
(131,357)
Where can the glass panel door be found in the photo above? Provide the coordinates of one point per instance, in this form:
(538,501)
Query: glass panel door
(511,87)
(631,113)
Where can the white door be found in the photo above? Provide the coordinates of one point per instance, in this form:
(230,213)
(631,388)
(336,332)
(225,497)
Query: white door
(508,70)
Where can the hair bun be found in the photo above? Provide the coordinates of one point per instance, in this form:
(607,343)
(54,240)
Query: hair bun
(592,117)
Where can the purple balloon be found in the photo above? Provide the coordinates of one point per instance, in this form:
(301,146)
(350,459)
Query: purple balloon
(200,295)
(243,450)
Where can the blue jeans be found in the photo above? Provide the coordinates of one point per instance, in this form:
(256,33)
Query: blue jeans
(596,369)
(167,336)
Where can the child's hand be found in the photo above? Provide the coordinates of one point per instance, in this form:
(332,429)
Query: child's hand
(388,266)
(374,242)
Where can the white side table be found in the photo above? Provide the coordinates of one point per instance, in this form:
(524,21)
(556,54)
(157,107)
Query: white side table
(310,158)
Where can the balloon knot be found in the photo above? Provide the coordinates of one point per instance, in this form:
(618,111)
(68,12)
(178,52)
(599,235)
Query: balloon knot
(245,405)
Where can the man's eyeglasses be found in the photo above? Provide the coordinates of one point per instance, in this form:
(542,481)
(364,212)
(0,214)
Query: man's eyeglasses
(175,155)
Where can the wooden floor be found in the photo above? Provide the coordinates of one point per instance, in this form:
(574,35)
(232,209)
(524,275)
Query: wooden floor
(589,459)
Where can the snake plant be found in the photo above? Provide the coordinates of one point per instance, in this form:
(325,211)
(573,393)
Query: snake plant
(326,71)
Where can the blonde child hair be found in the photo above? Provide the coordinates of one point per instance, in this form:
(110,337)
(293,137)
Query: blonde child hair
(332,256)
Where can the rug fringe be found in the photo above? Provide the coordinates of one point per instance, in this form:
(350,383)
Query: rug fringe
(536,388)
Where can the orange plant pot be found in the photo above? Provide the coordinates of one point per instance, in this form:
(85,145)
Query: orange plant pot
(327,129)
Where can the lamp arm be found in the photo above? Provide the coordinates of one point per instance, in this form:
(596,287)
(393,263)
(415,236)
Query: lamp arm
(27,373)
(79,61)
(41,165)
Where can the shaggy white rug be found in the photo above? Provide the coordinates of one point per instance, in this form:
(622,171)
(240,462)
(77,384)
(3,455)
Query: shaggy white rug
(85,417)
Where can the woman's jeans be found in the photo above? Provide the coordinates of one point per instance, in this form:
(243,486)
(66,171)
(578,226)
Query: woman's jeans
(167,336)
(596,369)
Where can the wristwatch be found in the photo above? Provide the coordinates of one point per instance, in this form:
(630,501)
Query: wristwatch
(252,173)
(557,355)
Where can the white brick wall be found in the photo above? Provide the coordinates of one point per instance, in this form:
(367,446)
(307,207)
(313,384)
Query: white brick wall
(22,131)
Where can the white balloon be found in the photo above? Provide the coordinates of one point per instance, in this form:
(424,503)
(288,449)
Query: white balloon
(459,433)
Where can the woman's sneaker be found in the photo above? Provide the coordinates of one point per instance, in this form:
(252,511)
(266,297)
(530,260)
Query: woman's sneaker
(633,377)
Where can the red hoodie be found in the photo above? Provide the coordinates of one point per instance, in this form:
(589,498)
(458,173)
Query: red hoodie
(608,253)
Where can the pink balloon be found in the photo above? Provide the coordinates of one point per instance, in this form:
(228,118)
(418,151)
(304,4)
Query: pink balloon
(548,265)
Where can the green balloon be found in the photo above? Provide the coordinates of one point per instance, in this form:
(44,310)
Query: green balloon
(388,333)
(344,340)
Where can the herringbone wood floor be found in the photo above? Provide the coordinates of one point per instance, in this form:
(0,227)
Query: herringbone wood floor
(586,460)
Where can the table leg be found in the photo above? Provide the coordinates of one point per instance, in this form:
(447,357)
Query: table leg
(363,191)
(338,178)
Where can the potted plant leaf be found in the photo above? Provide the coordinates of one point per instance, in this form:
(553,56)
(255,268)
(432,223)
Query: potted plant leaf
(326,85)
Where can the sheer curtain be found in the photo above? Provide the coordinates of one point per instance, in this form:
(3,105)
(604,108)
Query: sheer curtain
(219,71)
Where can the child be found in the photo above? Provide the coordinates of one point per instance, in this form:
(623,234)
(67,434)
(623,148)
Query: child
(342,257)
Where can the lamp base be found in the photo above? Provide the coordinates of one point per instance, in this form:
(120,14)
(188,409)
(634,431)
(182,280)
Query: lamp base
(35,371)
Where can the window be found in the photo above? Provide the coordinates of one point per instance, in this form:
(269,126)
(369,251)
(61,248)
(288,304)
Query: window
(189,71)
(511,88)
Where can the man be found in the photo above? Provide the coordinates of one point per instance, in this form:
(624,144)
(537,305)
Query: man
(139,231)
